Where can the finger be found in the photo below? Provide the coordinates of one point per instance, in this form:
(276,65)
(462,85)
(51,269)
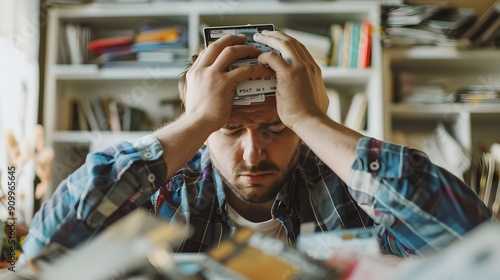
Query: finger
(304,52)
(245,73)
(213,50)
(232,53)
(274,60)
(287,47)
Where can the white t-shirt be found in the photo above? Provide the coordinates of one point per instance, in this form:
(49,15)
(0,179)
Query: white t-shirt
(270,227)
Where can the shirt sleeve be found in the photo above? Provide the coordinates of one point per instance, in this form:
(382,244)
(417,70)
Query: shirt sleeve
(109,185)
(418,207)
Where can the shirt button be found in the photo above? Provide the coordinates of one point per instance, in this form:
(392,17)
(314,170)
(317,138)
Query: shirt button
(151,177)
(147,155)
(374,165)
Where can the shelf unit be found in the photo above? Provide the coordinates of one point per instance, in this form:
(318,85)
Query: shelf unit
(472,125)
(145,87)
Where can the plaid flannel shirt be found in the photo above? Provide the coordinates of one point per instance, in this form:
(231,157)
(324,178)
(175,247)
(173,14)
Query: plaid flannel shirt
(416,207)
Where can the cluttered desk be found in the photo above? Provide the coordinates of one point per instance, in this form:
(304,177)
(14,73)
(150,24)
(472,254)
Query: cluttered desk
(139,247)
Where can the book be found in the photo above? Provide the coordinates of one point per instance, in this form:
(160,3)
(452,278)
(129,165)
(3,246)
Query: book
(99,112)
(481,24)
(153,46)
(340,50)
(489,36)
(318,45)
(73,44)
(62,47)
(134,119)
(346,45)
(65,103)
(168,34)
(106,45)
(452,21)
(354,51)
(411,15)
(89,114)
(365,43)
(78,119)
(83,123)
(334,108)
(115,115)
(356,115)
(336,31)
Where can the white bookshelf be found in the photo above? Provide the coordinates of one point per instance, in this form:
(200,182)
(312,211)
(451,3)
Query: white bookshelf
(145,87)
(471,125)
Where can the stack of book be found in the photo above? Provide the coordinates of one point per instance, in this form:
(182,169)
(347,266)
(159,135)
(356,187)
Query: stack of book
(441,24)
(101,114)
(153,45)
(347,45)
(479,94)
(73,43)
(486,30)
(420,88)
(434,24)
(351,44)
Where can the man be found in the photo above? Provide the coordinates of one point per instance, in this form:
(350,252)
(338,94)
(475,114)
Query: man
(276,166)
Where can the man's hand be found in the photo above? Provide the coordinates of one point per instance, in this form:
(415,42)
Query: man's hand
(210,88)
(208,98)
(302,102)
(300,92)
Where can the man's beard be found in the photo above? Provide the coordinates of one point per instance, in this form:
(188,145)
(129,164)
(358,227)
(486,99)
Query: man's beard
(264,166)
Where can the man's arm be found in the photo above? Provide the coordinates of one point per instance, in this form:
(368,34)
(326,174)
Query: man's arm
(114,182)
(109,185)
(418,206)
(302,102)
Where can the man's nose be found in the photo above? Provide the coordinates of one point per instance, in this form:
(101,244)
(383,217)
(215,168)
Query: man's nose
(254,150)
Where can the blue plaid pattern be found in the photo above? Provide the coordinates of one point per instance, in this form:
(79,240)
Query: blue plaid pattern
(416,207)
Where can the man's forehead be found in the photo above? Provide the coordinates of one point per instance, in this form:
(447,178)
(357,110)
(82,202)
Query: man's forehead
(256,112)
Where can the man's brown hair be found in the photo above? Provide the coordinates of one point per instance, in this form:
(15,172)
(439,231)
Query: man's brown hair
(182,85)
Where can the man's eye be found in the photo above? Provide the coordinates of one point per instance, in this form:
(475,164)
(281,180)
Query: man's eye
(231,133)
(276,129)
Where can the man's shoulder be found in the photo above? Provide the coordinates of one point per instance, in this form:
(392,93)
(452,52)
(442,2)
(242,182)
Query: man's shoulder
(198,165)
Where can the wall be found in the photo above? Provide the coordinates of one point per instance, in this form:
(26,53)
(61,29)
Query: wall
(19,37)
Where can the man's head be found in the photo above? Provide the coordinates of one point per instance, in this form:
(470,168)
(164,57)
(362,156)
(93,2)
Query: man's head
(254,152)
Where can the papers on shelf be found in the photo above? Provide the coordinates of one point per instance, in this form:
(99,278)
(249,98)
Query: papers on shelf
(419,88)
(442,149)
(484,177)
(479,94)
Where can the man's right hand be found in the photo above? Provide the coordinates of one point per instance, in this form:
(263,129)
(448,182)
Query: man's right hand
(210,87)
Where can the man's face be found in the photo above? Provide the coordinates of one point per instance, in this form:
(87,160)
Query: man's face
(254,153)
